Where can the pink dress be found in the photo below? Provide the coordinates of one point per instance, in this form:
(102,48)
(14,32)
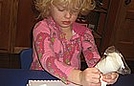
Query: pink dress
(58,55)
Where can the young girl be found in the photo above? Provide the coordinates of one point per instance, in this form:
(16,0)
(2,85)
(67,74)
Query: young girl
(58,42)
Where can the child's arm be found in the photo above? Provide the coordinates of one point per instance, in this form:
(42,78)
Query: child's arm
(44,51)
(90,50)
(88,77)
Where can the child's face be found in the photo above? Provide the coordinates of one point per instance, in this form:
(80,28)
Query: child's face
(63,16)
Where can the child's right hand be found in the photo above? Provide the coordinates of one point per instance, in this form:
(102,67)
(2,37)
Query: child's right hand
(90,77)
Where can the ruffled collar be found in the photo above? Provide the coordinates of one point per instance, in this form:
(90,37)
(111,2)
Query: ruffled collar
(52,23)
(77,29)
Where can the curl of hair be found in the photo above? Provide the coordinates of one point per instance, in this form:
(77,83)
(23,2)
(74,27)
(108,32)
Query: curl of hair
(43,7)
(88,5)
(44,11)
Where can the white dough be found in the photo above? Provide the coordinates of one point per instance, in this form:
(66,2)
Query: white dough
(111,63)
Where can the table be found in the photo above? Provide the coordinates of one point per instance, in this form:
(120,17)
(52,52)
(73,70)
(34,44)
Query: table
(125,80)
(20,77)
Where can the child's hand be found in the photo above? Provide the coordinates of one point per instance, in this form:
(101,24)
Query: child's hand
(90,77)
(110,78)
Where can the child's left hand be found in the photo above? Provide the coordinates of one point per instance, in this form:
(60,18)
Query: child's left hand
(110,78)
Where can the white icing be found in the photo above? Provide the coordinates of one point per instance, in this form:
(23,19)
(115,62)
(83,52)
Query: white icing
(111,63)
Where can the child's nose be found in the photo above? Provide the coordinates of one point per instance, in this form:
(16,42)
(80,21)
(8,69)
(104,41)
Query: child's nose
(68,14)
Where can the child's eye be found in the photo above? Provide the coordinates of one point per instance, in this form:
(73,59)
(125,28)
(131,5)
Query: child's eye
(61,9)
(75,11)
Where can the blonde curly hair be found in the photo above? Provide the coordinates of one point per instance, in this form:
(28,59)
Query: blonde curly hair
(84,6)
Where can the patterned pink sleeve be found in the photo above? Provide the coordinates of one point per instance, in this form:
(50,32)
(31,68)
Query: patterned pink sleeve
(89,49)
(48,58)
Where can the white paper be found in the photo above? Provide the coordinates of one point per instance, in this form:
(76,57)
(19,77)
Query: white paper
(48,83)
